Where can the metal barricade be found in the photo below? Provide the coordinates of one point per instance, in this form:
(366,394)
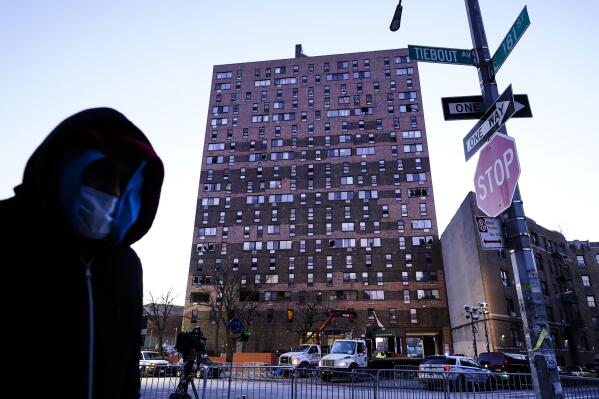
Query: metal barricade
(158,382)
(580,387)
(404,382)
(270,382)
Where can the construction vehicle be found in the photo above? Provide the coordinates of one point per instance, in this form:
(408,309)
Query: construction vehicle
(331,315)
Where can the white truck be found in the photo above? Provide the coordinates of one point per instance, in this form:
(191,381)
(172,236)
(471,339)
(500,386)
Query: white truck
(346,355)
(304,356)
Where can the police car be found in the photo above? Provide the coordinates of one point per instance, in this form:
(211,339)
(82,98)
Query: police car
(461,371)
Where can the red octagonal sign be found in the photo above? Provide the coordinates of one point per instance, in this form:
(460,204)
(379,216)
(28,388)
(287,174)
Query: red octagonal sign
(496,175)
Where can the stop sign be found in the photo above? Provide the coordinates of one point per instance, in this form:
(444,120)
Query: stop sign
(496,175)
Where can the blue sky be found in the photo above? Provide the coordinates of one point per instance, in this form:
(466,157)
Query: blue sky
(152,60)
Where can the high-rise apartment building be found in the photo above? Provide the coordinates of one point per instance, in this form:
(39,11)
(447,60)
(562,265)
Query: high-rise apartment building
(316,194)
(569,277)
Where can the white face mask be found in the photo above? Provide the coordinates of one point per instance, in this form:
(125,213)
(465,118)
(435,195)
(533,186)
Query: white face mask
(95,213)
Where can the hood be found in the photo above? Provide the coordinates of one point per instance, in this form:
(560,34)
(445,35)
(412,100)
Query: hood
(296,354)
(157,362)
(336,356)
(102,129)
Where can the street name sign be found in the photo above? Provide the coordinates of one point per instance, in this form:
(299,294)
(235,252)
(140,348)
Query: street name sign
(496,175)
(236,326)
(492,120)
(510,40)
(471,107)
(490,233)
(441,55)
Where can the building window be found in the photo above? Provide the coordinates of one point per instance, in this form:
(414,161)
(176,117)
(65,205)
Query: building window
(586,281)
(591,301)
(347,226)
(400,226)
(402,243)
(580,260)
(348,261)
(413,318)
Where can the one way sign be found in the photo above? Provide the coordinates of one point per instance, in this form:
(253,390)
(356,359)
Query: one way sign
(471,107)
(490,123)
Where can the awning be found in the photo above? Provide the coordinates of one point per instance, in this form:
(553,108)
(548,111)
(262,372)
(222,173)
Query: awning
(373,332)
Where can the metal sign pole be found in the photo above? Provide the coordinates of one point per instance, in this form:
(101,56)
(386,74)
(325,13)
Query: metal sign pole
(543,366)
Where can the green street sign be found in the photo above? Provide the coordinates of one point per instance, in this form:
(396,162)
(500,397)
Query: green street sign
(441,55)
(510,40)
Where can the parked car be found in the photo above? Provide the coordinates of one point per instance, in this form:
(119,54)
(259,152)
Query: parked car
(501,362)
(511,370)
(562,371)
(579,371)
(152,364)
(460,371)
(215,369)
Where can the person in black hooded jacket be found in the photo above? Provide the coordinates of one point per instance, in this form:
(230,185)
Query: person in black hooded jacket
(89,191)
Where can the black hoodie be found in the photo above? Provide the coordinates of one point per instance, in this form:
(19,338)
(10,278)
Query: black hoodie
(45,263)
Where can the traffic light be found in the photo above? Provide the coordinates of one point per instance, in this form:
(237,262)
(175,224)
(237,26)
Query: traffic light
(245,336)
(290,315)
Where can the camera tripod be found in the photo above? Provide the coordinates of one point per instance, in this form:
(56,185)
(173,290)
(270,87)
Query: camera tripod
(184,382)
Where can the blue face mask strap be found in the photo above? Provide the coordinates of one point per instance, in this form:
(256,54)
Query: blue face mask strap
(70,181)
(128,207)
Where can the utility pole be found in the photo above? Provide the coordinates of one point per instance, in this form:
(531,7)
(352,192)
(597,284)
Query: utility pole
(543,365)
(472,313)
(474,331)
(541,356)
(484,308)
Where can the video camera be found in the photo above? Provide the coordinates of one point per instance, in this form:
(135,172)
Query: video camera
(191,342)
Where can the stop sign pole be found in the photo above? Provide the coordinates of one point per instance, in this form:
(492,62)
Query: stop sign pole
(530,298)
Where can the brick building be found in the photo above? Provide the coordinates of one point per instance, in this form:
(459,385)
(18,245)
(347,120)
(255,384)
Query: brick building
(476,275)
(316,190)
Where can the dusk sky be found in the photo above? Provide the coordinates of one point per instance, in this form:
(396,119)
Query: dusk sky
(153,60)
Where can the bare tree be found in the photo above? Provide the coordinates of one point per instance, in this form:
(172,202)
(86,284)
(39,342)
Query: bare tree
(230,299)
(158,311)
(306,318)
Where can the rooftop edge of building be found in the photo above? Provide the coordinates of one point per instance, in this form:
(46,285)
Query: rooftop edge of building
(404,51)
(471,197)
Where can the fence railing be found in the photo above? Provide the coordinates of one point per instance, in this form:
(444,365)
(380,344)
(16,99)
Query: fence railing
(276,382)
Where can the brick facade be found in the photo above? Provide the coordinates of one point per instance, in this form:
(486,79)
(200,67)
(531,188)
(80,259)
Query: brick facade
(490,278)
(326,156)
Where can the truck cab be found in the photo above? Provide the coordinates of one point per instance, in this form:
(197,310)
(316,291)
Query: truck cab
(345,355)
(303,356)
